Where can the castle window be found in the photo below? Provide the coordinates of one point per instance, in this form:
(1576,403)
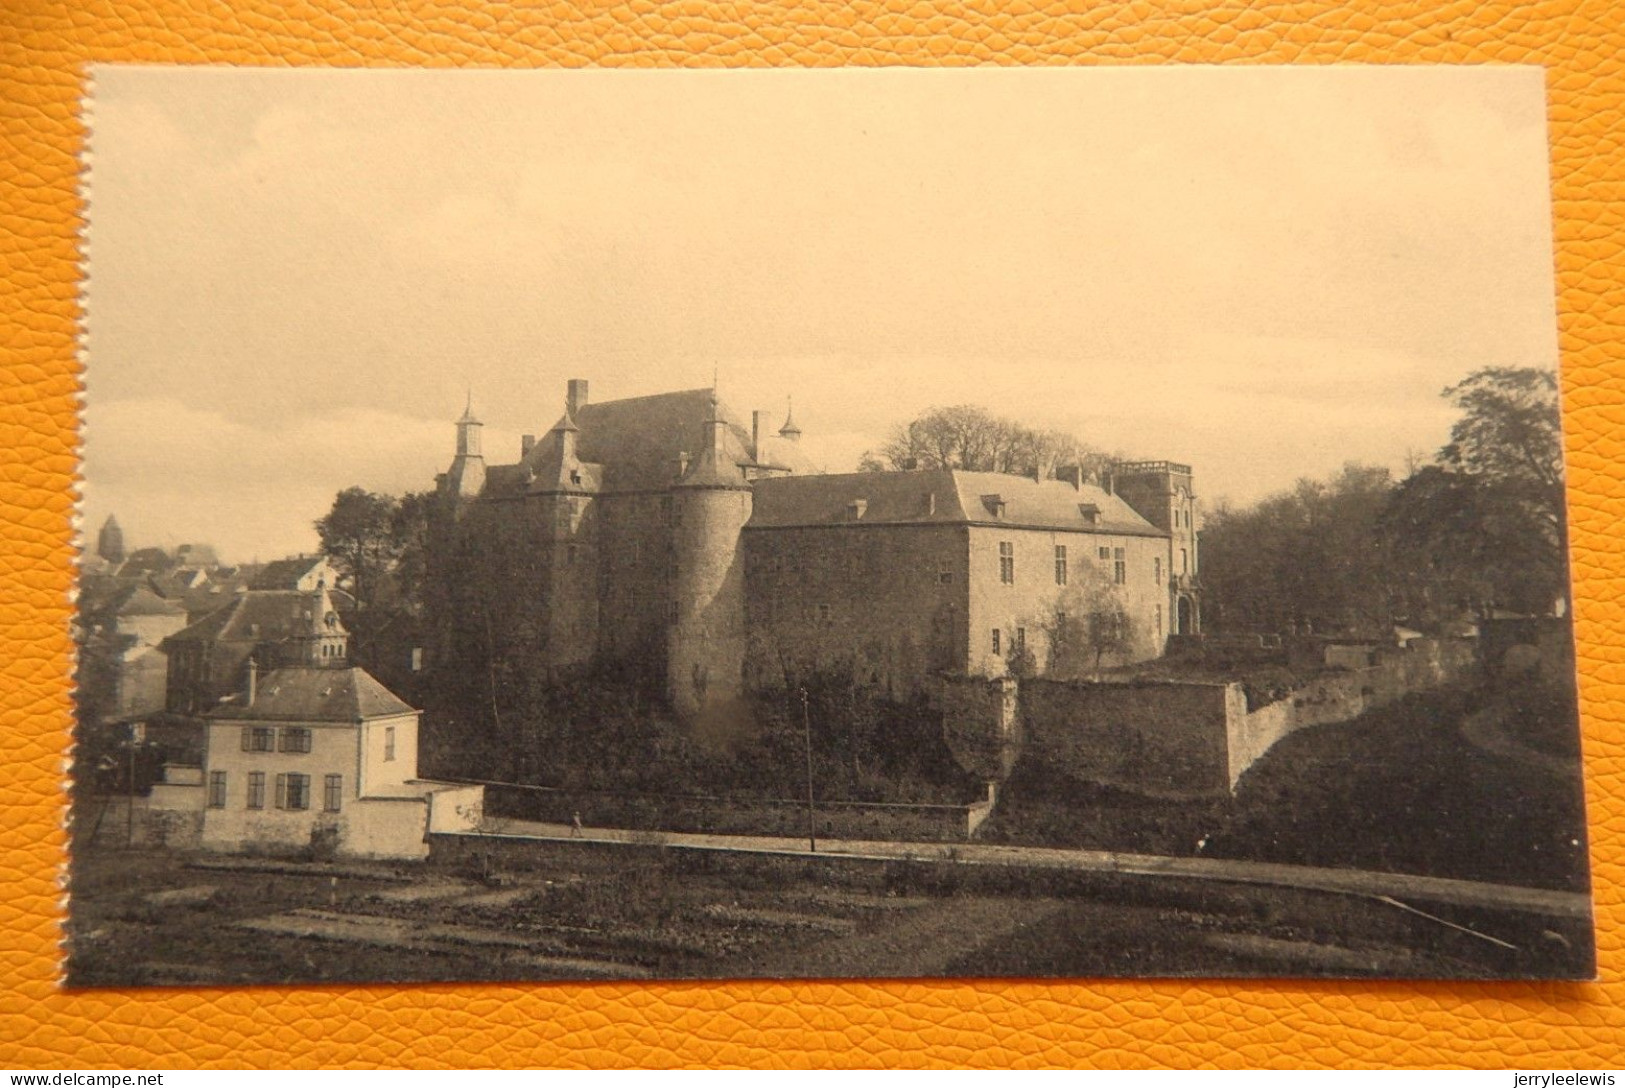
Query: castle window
(1184,561)
(996,640)
(1105,554)
(295,740)
(256,789)
(1007,562)
(1060,564)
(1159,623)
(293,791)
(1119,567)
(389,743)
(1157,567)
(217,789)
(256,739)
(1021,640)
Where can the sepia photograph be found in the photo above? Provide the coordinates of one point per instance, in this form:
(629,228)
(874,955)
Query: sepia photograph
(869,523)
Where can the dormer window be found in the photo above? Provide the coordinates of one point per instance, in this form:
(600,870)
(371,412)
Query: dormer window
(1089,512)
(856,509)
(995,505)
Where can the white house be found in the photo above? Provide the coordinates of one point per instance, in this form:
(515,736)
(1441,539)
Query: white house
(320,757)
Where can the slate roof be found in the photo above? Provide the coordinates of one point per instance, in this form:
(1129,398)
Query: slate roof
(941,496)
(124,597)
(262,615)
(307,694)
(638,440)
(285,573)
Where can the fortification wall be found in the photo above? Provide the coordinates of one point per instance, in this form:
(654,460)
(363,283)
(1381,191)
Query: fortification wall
(1153,736)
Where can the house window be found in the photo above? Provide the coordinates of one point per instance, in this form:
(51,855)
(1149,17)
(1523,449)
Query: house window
(258,739)
(295,740)
(389,743)
(1119,567)
(256,789)
(293,792)
(332,792)
(1105,554)
(1007,562)
(217,789)
(945,577)
(823,614)
(1157,568)
(1021,640)
(996,640)
(1060,564)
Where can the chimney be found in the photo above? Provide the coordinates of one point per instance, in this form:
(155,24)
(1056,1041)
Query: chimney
(526,444)
(576,397)
(253,682)
(756,437)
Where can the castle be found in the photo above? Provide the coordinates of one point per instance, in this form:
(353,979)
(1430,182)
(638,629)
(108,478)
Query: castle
(663,536)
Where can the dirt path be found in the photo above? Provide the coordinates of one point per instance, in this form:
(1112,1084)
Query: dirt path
(1486,730)
(910,944)
(1466,893)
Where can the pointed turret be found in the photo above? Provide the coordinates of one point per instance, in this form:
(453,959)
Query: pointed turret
(466,477)
(714,467)
(790,432)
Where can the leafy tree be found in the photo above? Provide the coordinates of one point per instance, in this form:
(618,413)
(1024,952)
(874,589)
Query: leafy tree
(1308,558)
(358,535)
(1087,624)
(974,439)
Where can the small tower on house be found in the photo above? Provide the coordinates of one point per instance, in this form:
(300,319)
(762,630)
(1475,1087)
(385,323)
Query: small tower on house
(110,541)
(1161,492)
(466,477)
(706,646)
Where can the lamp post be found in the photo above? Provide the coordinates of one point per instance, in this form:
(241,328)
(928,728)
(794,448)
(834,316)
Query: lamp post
(806,738)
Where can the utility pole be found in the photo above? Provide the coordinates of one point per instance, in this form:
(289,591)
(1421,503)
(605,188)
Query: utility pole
(806,737)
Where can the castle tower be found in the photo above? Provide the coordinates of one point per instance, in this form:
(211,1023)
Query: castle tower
(706,645)
(1161,492)
(110,541)
(466,477)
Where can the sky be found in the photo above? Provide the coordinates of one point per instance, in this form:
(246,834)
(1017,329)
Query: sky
(295,277)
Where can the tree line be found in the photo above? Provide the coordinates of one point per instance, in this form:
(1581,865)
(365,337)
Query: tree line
(1479,528)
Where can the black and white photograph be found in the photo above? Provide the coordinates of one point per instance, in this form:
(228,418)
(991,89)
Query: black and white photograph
(629,525)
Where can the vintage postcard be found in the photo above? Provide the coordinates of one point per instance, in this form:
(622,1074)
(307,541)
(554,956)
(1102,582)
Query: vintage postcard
(636,525)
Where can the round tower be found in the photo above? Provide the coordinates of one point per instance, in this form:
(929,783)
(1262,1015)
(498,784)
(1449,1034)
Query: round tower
(706,645)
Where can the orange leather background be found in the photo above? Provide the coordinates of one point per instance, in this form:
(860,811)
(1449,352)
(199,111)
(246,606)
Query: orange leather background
(43,47)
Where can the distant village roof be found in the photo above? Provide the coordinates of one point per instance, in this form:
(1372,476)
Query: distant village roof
(265,615)
(306,694)
(285,573)
(124,597)
(942,496)
(146,561)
